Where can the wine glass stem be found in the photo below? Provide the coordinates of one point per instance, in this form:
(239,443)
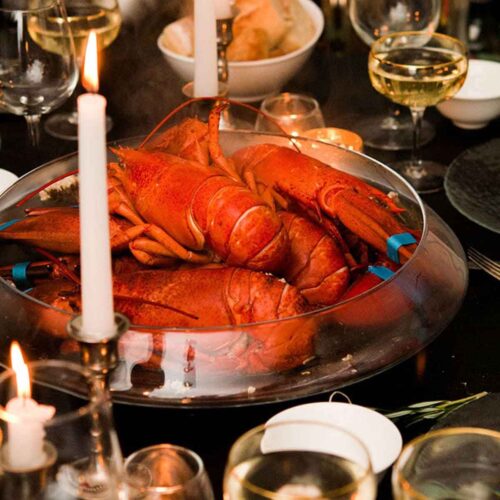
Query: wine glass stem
(417,114)
(33,122)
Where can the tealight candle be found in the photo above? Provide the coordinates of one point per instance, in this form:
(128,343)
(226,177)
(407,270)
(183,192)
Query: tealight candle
(205,50)
(339,136)
(98,320)
(26,418)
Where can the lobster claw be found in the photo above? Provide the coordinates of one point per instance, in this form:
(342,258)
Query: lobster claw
(370,221)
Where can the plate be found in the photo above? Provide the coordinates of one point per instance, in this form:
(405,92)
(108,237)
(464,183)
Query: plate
(234,366)
(472,184)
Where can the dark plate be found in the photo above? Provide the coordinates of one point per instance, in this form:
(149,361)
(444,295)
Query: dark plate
(484,412)
(472,184)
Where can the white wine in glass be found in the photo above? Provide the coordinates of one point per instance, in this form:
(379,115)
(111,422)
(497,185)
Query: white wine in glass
(101,16)
(418,70)
(288,460)
(372,19)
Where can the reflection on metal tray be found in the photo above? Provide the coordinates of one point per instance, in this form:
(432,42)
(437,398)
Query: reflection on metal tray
(207,367)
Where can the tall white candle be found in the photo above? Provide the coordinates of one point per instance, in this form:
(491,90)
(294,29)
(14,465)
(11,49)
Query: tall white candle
(205,50)
(223,9)
(95,252)
(25,432)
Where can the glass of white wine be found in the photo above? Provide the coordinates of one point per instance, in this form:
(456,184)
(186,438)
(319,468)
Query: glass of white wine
(101,16)
(418,70)
(372,19)
(459,462)
(292,460)
(33,79)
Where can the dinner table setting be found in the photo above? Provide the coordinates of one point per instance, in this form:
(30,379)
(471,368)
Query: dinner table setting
(249,249)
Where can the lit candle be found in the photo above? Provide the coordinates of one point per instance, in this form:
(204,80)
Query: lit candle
(205,50)
(25,431)
(223,9)
(95,253)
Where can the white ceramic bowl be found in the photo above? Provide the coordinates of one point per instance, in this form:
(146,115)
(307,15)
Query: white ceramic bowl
(380,436)
(251,81)
(478,101)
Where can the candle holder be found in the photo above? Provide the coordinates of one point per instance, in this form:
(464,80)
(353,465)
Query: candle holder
(70,466)
(224,38)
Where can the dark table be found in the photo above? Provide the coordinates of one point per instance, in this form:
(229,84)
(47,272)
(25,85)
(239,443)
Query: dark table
(141,89)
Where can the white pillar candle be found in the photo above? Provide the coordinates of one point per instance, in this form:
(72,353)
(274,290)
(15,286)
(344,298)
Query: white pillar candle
(223,9)
(95,252)
(205,50)
(25,432)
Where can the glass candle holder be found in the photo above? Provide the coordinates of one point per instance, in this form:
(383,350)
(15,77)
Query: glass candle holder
(165,471)
(292,460)
(78,452)
(290,113)
(338,136)
(459,462)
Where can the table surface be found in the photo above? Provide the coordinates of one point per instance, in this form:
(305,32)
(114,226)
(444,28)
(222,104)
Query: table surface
(141,88)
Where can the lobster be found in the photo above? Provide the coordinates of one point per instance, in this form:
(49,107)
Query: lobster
(207,297)
(327,194)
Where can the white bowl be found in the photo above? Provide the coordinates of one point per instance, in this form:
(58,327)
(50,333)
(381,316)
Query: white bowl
(7,178)
(253,80)
(478,101)
(380,436)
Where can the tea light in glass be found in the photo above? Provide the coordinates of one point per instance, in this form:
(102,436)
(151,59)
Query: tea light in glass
(338,136)
(289,113)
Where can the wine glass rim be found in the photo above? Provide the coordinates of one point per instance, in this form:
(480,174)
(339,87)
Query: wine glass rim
(431,35)
(47,5)
(398,475)
(57,420)
(337,492)
(174,487)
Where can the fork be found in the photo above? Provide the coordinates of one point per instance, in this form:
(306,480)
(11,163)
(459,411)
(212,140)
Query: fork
(485,263)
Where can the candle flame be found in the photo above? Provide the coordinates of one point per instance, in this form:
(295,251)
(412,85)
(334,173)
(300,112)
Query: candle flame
(21,371)
(90,78)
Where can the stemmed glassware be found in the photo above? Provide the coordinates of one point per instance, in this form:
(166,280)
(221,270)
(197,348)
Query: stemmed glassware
(101,16)
(34,78)
(292,460)
(418,69)
(372,19)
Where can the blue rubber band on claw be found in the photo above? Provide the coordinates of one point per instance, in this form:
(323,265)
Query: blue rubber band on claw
(396,241)
(382,272)
(9,223)
(20,275)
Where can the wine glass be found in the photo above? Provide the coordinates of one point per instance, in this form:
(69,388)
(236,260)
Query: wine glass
(101,16)
(417,70)
(460,462)
(291,460)
(33,78)
(372,19)
(292,113)
(168,472)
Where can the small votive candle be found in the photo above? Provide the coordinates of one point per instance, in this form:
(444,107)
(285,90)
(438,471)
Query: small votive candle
(338,136)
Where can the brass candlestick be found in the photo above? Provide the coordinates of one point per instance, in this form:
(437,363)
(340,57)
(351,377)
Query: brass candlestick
(224,38)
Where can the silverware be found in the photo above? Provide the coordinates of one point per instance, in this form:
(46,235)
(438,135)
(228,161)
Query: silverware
(485,263)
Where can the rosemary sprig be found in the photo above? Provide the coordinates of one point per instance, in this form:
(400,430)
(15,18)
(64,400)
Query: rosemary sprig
(429,410)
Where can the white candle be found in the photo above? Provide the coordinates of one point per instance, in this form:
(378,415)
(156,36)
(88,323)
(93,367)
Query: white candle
(223,9)
(95,252)
(25,432)
(205,50)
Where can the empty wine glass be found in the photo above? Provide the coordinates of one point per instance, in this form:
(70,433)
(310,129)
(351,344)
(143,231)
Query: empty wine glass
(101,16)
(293,460)
(372,19)
(168,472)
(34,77)
(418,70)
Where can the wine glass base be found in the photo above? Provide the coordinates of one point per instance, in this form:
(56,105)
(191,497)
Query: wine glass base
(426,178)
(65,126)
(392,134)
